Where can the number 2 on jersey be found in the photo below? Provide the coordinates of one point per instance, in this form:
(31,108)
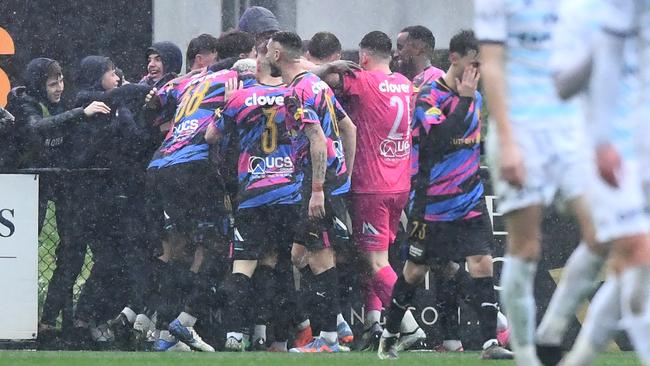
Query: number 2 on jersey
(396,101)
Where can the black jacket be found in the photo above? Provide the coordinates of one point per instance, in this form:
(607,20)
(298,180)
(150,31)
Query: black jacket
(42,128)
(172,59)
(114,140)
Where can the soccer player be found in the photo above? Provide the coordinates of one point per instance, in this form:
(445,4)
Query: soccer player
(620,196)
(268,197)
(201,52)
(324,47)
(413,54)
(186,184)
(447,213)
(380,104)
(318,117)
(536,149)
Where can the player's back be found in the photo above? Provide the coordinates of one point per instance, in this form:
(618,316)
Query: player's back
(319,105)
(380,107)
(195,110)
(266,167)
(524,27)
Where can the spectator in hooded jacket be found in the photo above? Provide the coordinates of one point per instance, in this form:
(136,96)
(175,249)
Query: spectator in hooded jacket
(114,199)
(46,127)
(164,61)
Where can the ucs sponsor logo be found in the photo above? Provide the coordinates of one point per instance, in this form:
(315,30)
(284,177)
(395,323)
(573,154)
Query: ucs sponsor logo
(7,227)
(270,165)
(187,127)
(386,87)
(263,100)
(393,149)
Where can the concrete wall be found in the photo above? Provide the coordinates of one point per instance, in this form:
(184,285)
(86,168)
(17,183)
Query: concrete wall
(179,21)
(350,19)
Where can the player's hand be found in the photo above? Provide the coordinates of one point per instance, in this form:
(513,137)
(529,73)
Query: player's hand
(317,205)
(467,86)
(608,161)
(343,67)
(96,107)
(511,165)
(152,100)
(232,85)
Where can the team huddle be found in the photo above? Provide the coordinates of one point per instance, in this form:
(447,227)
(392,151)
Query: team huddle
(301,163)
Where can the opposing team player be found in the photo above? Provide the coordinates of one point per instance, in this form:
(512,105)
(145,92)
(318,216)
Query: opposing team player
(619,200)
(448,219)
(380,106)
(324,203)
(413,54)
(536,149)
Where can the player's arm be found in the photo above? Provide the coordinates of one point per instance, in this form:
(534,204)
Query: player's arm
(318,154)
(490,23)
(456,123)
(332,72)
(349,138)
(511,163)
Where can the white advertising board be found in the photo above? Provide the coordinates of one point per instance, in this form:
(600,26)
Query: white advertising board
(18,256)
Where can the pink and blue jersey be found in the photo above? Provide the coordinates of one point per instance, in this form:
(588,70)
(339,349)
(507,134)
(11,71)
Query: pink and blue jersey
(380,107)
(254,118)
(316,103)
(426,77)
(195,99)
(445,158)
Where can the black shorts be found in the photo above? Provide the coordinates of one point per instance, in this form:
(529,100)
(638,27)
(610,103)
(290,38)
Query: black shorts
(330,231)
(191,198)
(261,230)
(443,241)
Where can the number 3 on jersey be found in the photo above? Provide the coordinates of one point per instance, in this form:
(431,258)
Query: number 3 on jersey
(270,134)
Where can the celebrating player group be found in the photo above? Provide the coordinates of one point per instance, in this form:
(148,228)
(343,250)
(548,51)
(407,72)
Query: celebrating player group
(303,170)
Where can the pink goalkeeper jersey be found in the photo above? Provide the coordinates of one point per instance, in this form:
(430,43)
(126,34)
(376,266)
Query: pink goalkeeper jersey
(380,107)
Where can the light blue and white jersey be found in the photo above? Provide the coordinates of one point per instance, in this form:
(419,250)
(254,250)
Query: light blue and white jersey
(525,27)
(574,38)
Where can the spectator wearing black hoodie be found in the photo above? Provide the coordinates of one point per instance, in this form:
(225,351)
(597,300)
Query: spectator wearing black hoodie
(46,127)
(164,62)
(115,200)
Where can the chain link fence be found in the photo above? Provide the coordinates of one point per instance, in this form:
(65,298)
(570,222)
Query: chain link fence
(48,242)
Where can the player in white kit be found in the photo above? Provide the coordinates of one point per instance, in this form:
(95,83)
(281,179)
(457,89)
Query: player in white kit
(616,105)
(537,149)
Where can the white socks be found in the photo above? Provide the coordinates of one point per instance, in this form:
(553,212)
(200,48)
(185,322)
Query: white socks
(409,324)
(129,314)
(259,332)
(517,280)
(329,337)
(372,317)
(186,319)
(635,309)
(578,280)
(599,326)
(339,318)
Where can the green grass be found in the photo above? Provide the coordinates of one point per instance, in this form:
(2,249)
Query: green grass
(17,358)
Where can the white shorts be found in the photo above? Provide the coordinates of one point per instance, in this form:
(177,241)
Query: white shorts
(619,212)
(556,162)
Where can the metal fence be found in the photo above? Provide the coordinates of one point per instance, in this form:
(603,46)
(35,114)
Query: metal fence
(48,241)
